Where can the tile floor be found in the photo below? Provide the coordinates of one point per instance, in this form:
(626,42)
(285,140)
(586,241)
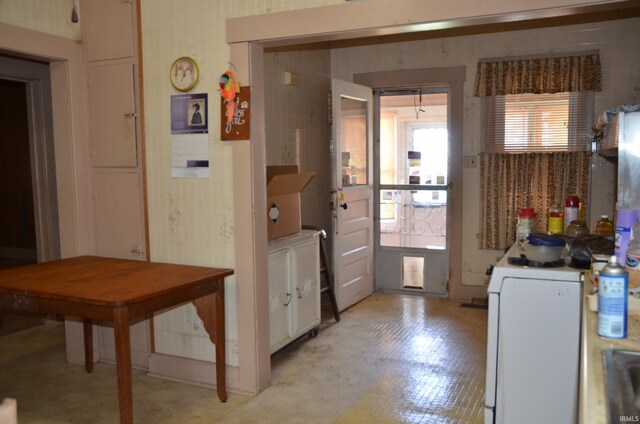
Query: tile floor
(391,359)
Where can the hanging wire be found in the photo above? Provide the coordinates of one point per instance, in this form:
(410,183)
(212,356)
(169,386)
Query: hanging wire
(418,108)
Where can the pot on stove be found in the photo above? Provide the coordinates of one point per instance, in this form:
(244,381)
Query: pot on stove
(543,247)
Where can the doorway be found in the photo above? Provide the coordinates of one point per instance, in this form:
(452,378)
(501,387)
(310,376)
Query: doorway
(17,224)
(28,218)
(412,172)
(27,176)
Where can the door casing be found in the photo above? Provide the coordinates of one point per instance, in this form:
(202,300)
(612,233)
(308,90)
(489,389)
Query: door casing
(453,78)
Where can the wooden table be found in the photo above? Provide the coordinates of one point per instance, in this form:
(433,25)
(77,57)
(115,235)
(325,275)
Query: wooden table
(123,292)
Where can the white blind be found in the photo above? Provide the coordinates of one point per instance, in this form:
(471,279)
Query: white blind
(522,123)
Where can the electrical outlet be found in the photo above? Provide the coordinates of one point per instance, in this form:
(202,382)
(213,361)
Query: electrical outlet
(470,162)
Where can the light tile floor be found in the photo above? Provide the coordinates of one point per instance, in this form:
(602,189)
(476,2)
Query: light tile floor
(391,359)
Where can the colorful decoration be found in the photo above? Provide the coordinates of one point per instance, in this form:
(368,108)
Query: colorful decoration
(228,92)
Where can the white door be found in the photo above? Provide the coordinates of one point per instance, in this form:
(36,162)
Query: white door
(352,192)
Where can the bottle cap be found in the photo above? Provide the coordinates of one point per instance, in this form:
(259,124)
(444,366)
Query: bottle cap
(527,213)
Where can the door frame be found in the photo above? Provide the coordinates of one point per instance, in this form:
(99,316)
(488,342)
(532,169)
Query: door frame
(452,77)
(247,38)
(36,77)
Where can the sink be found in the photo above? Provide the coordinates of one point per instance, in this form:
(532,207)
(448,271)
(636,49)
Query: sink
(622,383)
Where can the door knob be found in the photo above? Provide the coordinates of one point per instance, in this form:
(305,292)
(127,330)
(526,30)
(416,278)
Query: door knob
(344,206)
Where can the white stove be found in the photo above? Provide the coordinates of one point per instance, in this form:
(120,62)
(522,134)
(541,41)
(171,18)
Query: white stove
(533,343)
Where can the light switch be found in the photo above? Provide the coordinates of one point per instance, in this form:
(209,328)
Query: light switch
(291,78)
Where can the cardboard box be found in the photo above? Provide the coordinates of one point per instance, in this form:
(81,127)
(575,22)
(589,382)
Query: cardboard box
(284,185)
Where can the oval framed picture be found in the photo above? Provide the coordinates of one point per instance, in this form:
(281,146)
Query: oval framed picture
(184,74)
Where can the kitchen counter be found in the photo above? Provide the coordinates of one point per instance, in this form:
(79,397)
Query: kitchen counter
(593,404)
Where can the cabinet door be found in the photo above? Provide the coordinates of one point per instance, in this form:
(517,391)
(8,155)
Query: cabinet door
(307,286)
(280,302)
(111,115)
(118,220)
(108,29)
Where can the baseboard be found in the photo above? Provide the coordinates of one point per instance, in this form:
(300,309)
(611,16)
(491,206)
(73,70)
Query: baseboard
(191,371)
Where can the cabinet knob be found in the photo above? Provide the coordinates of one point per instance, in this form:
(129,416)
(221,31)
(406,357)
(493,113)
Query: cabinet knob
(131,115)
(288,299)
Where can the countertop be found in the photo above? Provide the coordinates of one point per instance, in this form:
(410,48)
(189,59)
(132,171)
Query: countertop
(286,241)
(593,408)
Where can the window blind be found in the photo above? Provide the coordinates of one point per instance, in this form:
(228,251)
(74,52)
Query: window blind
(522,123)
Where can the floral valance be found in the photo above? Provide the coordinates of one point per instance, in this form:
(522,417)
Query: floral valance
(538,75)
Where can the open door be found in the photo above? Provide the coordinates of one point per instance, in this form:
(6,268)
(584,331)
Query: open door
(352,188)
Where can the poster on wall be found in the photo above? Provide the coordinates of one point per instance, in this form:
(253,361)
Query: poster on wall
(189,136)
(238,126)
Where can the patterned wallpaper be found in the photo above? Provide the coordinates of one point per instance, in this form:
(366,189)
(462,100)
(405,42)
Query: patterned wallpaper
(52,17)
(191,221)
(297,125)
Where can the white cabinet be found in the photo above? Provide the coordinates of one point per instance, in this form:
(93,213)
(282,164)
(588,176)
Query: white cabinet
(294,287)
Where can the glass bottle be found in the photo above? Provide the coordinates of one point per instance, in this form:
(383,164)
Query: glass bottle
(556,220)
(604,226)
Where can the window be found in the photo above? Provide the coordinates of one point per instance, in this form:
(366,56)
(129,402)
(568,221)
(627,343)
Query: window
(521,123)
(536,137)
(535,153)
(413,169)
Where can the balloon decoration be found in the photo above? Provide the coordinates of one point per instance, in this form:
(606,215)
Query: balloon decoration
(228,92)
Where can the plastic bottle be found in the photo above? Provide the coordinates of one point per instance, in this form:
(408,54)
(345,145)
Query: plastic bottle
(632,263)
(626,219)
(604,226)
(556,222)
(526,225)
(571,209)
(613,298)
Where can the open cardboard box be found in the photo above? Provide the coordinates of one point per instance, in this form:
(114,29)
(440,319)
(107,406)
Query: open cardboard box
(284,185)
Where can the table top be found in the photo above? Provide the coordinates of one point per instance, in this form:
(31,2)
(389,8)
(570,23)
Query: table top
(104,281)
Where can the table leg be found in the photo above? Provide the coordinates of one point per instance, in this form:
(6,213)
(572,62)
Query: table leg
(210,309)
(88,344)
(221,361)
(123,363)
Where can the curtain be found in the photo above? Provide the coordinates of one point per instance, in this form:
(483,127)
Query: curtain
(538,180)
(538,75)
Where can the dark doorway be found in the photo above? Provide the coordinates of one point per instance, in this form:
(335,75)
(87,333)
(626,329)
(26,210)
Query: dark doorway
(28,196)
(17,219)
